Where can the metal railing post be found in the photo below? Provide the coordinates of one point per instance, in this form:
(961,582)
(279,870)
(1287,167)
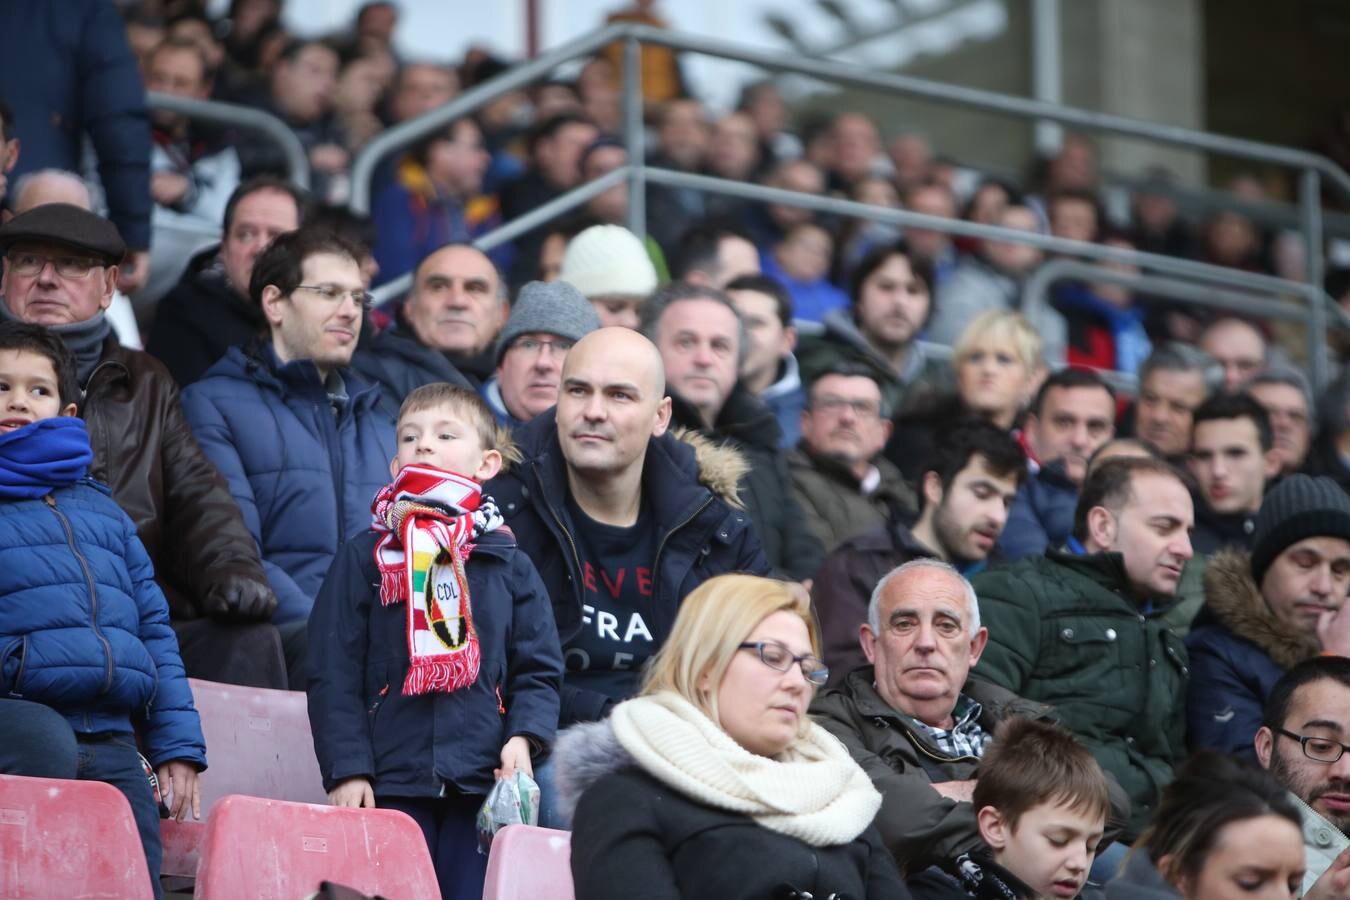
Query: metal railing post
(1310,203)
(634,137)
(246,117)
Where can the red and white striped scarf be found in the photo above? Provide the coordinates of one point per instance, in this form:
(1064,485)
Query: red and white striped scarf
(430,519)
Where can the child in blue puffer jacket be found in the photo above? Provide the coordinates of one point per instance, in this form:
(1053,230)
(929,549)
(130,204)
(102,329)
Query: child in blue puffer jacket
(87,657)
(434,659)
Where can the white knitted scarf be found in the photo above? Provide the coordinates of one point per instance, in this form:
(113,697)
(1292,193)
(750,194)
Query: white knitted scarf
(813,791)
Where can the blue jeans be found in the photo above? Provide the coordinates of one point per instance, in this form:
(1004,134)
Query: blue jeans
(112,758)
(39,742)
(451,831)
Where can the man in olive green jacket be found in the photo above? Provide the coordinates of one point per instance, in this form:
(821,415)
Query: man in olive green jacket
(1084,628)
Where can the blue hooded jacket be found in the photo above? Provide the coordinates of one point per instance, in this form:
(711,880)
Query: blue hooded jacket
(84,628)
(303,477)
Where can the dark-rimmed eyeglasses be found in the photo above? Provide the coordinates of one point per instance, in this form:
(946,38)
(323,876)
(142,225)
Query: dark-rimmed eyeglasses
(779,657)
(1318,749)
(334,294)
(27,264)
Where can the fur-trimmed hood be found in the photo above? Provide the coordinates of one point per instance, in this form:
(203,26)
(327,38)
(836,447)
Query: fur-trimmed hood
(720,466)
(582,755)
(1235,602)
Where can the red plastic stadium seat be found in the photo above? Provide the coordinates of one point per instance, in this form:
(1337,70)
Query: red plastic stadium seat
(272,850)
(63,839)
(257,743)
(529,863)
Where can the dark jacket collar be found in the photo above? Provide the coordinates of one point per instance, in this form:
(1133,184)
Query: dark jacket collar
(258,362)
(1107,571)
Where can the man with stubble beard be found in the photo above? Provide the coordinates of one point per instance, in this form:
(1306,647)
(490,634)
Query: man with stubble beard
(964,496)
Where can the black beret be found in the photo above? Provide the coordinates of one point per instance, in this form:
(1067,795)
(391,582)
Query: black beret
(65,223)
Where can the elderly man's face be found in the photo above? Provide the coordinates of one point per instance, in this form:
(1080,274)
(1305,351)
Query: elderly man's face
(456,305)
(529,373)
(925,647)
(38,294)
(1320,710)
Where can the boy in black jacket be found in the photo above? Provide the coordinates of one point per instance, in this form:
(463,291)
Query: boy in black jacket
(434,661)
(1041,805)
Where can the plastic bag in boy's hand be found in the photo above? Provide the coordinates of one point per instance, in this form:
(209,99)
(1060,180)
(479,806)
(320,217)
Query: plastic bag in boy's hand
(512,801)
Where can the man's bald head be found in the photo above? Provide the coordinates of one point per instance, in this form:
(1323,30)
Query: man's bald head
(611,404)
(638,354)
(50,186)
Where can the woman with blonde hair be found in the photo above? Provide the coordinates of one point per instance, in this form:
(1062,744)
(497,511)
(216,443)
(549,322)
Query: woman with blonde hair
(713,782)
(999,364)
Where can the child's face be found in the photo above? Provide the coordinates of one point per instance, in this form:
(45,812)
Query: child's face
(444,437)
(1051,847)
(28,390)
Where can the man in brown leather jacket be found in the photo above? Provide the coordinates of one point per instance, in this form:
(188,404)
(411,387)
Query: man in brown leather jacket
(60,268)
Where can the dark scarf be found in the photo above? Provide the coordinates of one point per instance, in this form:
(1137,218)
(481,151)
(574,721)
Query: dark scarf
(84,339)
(38,458)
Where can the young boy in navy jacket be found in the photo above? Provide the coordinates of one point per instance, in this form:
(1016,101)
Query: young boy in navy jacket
(434,660)
(87,657)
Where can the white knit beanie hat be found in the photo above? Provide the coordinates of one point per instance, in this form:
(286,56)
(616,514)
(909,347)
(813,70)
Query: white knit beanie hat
(608,259)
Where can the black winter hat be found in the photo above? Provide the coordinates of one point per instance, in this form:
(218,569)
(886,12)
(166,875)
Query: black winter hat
(1299,507)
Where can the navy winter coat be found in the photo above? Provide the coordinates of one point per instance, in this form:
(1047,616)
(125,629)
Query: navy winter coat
(66,71)
(303,478)
(1238,650)
(411,746)
(84,628)
(699,533)
(1041,515)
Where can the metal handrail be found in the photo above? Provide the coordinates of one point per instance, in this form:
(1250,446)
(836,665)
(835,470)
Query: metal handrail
(246,117)
(1313,167)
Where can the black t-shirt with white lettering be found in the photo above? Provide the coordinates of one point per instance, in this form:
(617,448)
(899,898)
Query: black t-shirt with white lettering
(615,640)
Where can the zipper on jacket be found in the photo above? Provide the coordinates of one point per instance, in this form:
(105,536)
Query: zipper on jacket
(576,557)
(337,463)
(661,545)
(93,591)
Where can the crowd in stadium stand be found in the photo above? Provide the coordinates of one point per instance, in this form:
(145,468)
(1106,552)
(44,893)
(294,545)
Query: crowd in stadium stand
(793,555)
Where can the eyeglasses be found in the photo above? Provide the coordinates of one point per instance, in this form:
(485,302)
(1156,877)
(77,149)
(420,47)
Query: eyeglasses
(863,409)
(334,294)
(1318,749)
(28,264)
(776,656)
(534,345)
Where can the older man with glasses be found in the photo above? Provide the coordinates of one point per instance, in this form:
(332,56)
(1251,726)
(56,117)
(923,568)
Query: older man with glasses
(842,483)
(60,270)
(299,436)
(546,320)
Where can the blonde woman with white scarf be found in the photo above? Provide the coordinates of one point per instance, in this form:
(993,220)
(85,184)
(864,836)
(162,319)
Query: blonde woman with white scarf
(713,782)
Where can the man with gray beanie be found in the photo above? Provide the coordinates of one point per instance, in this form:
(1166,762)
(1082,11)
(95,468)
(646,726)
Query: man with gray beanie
(546,320)
(1267,611)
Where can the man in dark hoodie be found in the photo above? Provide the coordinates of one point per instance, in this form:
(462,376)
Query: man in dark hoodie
(209,310)
(702,341)
(1261,610)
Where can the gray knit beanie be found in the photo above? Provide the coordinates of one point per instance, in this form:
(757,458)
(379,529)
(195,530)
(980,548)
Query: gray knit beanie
(1299,507)
(550,307)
